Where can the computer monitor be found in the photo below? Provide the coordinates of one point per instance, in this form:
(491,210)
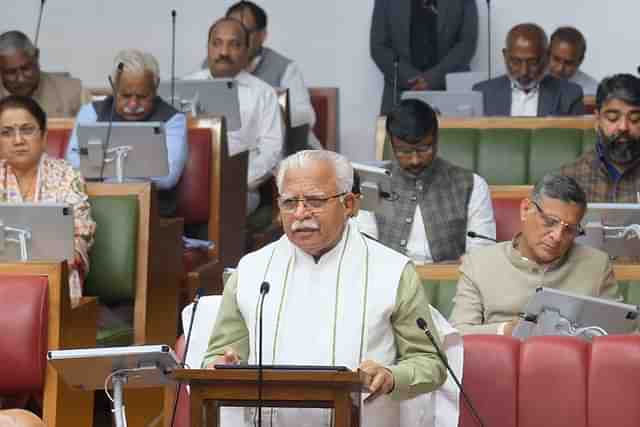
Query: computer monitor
(145,143)
(216,96)
(457,104)
(375,187)
(613,228)
(555,312)
(464,81)
(46,231)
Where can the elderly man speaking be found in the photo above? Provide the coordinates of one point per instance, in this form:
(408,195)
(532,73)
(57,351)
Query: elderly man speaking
(336,298)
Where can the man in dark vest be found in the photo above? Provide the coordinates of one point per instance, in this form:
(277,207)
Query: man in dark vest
(274,68)
(435,202)
(137,100)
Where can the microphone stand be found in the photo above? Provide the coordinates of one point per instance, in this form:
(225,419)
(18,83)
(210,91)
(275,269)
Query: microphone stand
(396,64)
(173,57)
(264,289)
(422,324)
(489,37)
(39,23)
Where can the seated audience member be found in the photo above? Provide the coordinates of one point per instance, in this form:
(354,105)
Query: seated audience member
(19,418)
(437,202)
(525,90)
(497,281)
(273,67)
(566,53)
(261,131)
(20,73)
(427,38)
(136,100)
(611,171)
(324,277)
(28,175)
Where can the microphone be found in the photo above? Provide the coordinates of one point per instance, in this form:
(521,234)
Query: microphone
(196,300)
(396,64)
(39,23)
(489,37)
(173,57)
(422,324)
(264,290)
(475,235)
(107,141)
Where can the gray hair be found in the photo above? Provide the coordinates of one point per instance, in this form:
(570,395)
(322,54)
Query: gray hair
(559,187)
(136,62)
(16,41)
(302,159)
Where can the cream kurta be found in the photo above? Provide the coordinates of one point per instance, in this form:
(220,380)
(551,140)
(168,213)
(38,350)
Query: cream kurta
(359,301)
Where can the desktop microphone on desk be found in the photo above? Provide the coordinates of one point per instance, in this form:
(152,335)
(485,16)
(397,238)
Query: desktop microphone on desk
(196,300)
(114,99)
(35,41)
(422,324)
(475,235)
(264,290)
(173,58)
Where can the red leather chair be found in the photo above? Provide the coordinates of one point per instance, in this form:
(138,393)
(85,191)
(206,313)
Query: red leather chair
(23,335)
(325,104)
(507,215)
(57,140)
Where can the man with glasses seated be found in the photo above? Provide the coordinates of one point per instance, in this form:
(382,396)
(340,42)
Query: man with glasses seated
(526,90)
(436,202)
(324,276)
(497,281)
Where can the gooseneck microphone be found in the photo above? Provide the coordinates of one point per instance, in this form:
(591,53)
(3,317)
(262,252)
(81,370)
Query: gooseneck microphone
(475,235)
(173,57)
(107,141)
(196,300)
(422,324)
(35,41)
(264,290)
(396,76)
(489,37)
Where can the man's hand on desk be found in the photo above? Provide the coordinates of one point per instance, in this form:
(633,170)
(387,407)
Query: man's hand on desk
(230,357)
(377,378)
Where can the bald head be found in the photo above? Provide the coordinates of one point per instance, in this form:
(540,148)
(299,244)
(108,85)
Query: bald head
(525,55)
(227,48)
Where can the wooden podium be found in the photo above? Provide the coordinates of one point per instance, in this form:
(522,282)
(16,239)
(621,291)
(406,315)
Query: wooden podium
(211,389)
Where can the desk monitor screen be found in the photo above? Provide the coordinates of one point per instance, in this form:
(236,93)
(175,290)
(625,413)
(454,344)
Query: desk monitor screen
(87,369)
(375,187)
(217,96)
(49,227)
(464,81)
(459,104)
(581,310)
(613,228)
(148,156)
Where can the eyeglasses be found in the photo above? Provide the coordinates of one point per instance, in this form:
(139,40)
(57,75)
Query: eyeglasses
(519,62)
(313,203)
(27,131)
(422,150)
(26,71)
(551,222)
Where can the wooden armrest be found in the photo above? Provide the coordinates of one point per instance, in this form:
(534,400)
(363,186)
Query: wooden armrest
(208,276)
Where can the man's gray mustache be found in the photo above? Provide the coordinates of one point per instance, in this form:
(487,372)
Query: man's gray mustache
(306,224)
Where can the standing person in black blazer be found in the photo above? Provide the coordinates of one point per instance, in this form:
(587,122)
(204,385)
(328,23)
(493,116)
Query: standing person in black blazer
(526,90)
(430,38)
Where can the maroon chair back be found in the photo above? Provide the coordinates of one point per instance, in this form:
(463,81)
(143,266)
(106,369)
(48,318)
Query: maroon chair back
(491,358)
(552,388)
(57,140)
(507,214)
(23,333)
(320,105)
(193,189)
(614,382)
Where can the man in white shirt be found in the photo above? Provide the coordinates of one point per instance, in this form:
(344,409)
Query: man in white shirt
(525,90)
(566,53)
(276,69)
(261,130)
(436,202)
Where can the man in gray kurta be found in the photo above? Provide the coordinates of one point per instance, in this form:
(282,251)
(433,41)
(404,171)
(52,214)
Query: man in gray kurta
(497,281)
(336,297)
